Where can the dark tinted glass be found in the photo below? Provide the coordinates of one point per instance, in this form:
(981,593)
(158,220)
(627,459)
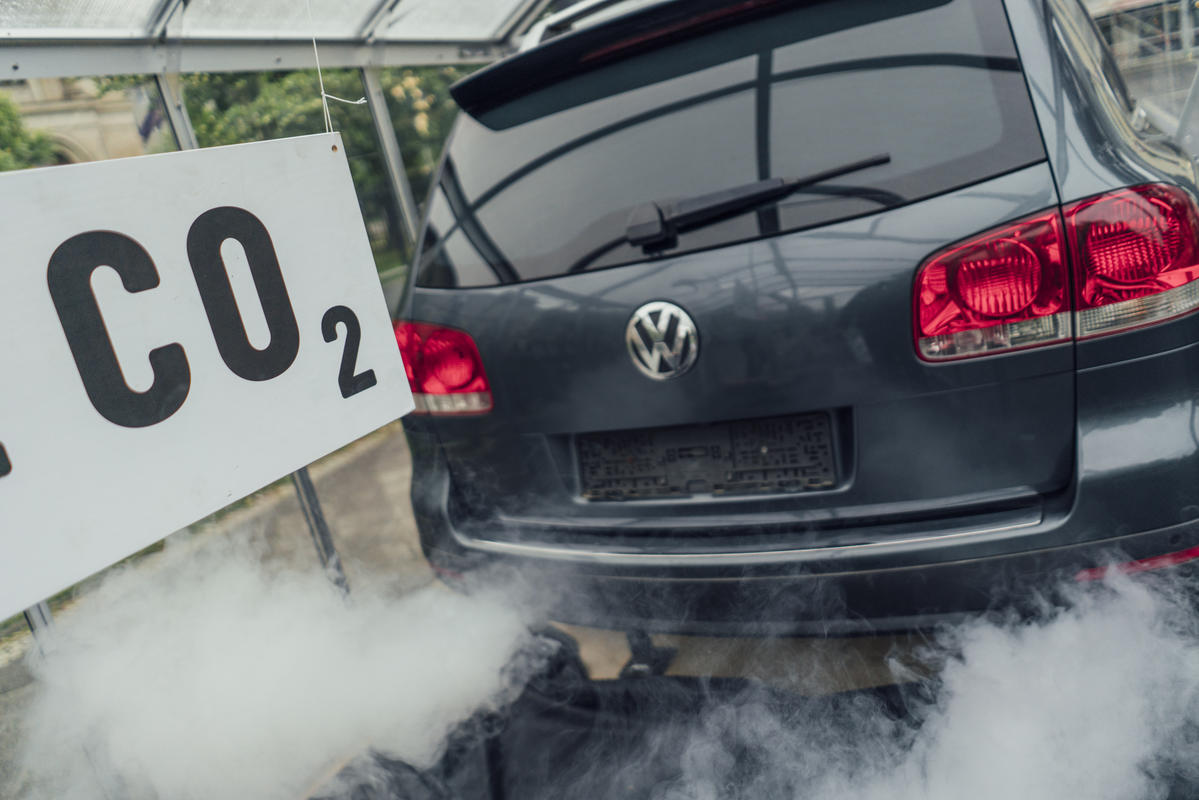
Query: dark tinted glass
(546,186)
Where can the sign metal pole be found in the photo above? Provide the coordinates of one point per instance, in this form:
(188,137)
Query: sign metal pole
(310,504)
(41,624)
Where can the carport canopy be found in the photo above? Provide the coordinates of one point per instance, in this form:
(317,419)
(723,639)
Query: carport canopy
(58,38)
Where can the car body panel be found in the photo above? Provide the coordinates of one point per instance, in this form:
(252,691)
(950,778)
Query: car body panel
(962,481)
(810,321)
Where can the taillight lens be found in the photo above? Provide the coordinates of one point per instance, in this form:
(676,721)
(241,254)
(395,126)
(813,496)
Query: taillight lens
(444,369)
(1001,290)
(1135,257)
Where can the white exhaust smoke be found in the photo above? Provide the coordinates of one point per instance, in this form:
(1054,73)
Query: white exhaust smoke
(1099,700)
(211,678)
(218,679)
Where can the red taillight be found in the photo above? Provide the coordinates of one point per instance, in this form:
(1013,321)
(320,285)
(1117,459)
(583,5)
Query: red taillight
(1140,565)
(444,369)
(1135,258)
(1001,290)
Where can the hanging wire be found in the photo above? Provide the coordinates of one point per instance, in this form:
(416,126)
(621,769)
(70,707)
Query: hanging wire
(325,96)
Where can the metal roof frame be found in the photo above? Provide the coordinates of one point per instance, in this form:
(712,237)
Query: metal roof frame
(65,58)
(375,18)
(161,16)
(523,18)
(158,45)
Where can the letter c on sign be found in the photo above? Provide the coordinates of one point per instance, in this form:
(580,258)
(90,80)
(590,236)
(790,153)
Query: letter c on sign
(69,277)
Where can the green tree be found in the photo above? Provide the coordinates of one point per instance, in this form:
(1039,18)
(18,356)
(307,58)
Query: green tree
(422,112)
(229,108)
(20,147)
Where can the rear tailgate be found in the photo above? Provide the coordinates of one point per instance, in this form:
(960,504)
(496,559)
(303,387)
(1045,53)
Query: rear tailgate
(818,321)
(803,309)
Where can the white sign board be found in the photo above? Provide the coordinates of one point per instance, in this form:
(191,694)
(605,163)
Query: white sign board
(176,331)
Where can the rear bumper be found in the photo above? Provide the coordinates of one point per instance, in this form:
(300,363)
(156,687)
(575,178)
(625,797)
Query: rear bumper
(1135,495)
(804,603)
(781,597)
(877,601)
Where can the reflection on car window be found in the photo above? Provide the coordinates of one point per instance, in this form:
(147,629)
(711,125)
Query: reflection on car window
(549,180)
(1089,34)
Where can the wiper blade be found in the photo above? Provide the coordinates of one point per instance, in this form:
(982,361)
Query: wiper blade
(656,225)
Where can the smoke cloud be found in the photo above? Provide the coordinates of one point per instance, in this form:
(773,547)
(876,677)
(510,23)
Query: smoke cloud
(217,678)
(1096,699)
(211,677)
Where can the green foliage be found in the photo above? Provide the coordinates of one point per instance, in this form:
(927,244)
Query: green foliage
(246,107)
(19,147)
(117,83)
(229,108)
(422,112)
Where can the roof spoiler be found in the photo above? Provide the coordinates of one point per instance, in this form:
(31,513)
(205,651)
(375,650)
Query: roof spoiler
(489,94)
(582,51)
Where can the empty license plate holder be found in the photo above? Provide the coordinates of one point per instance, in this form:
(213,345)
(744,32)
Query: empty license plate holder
(759,456)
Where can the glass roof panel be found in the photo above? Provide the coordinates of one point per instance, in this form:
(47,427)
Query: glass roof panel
(284,19)
(87,17)
(411,20)
(447,20)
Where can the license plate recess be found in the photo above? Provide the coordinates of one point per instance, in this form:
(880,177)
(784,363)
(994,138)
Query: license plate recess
(759,456)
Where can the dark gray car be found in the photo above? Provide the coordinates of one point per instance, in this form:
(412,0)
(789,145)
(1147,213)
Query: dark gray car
(825,316)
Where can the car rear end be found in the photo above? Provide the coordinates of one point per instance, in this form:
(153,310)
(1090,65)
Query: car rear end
(880,415)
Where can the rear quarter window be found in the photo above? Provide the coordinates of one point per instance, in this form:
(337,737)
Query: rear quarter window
(548,190)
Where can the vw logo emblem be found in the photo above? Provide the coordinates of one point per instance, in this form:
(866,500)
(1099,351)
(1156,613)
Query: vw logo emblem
(662,340)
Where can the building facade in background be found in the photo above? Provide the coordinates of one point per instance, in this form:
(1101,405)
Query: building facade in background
(89,120)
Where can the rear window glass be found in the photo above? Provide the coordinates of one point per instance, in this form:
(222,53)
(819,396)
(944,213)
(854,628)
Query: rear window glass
(545,185)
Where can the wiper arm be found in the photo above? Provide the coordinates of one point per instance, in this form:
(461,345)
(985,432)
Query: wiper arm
(656,225)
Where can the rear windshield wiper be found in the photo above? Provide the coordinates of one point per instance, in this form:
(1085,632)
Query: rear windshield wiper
(656,225)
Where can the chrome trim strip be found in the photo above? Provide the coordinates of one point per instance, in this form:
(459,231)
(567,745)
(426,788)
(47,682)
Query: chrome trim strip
(747,558)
